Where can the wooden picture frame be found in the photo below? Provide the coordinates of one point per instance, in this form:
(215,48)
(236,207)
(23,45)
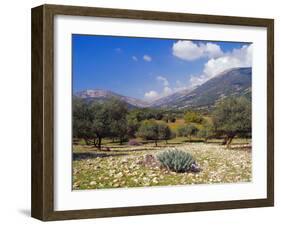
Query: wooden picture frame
(43,112)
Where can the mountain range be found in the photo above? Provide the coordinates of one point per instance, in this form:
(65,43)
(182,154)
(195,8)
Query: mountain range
(232,82)
(101,95)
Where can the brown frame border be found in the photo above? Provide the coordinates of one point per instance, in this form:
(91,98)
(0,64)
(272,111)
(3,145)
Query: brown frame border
(42,197)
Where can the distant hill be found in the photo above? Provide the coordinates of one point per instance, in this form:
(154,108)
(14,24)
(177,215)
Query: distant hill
(233,82)
(102,95)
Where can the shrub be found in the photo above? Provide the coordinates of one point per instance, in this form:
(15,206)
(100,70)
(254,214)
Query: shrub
(187,131)
(165,119)
(149,130)
(206,132)
(169,118)
(133,142)
(176,160)
(164,132)
(193,117)
(153,130)
(172,119)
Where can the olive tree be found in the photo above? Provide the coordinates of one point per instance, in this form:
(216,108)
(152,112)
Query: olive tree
(101,122)
(93,121)
(151,130)
(193,117)
(82,121)
(132,125)
(117,111)
(164,132)
(232,116)
(188,130)
(206,131)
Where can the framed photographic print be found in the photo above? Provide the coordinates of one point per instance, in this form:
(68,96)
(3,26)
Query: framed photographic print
(141,112)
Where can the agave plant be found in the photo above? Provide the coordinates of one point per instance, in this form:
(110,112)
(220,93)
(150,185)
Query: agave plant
(176,160)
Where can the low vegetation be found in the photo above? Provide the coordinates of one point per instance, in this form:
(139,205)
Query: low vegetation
(115,146)
(176,160)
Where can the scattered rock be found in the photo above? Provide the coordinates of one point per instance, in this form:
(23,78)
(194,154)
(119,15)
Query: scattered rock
(92,183)
(119,175)
(150,161)
(124,160)
(155,180)
(195,168)
(116,185)
(105,149)
(76,185)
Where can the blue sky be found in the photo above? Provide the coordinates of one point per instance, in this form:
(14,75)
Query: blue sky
(150,68)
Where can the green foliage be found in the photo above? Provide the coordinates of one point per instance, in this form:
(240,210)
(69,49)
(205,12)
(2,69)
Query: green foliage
(170,117)
(207,131)
(233,116)
(187,130)
(132,126)
(203,133)
(176,160)
(164,132)
(193,117)
(181,131)
(146,114)
(117,111)
(95,121)
(149,130)
(83,121)
(165,118)
(152,130)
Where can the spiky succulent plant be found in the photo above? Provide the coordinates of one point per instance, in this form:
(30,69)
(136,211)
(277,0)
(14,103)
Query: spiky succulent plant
(176,160)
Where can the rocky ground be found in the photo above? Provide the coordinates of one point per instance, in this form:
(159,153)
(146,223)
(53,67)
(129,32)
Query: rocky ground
(127,166)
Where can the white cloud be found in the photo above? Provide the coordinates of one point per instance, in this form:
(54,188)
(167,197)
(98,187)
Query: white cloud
(181,86)
(163,79)
(241,57)
(236,58)
(147,58)
(134,58)
(188,50)
(151,95)
(167,91)
(197,80)
(212,50)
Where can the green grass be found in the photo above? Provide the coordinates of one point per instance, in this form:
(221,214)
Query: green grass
(120,167)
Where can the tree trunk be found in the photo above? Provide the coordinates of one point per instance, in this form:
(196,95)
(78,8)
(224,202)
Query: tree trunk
(155,143)
(120,141)
(86,141)
(189,138)
(94,142)
(225,140)
(230,138)
(99,143)
(166,141)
